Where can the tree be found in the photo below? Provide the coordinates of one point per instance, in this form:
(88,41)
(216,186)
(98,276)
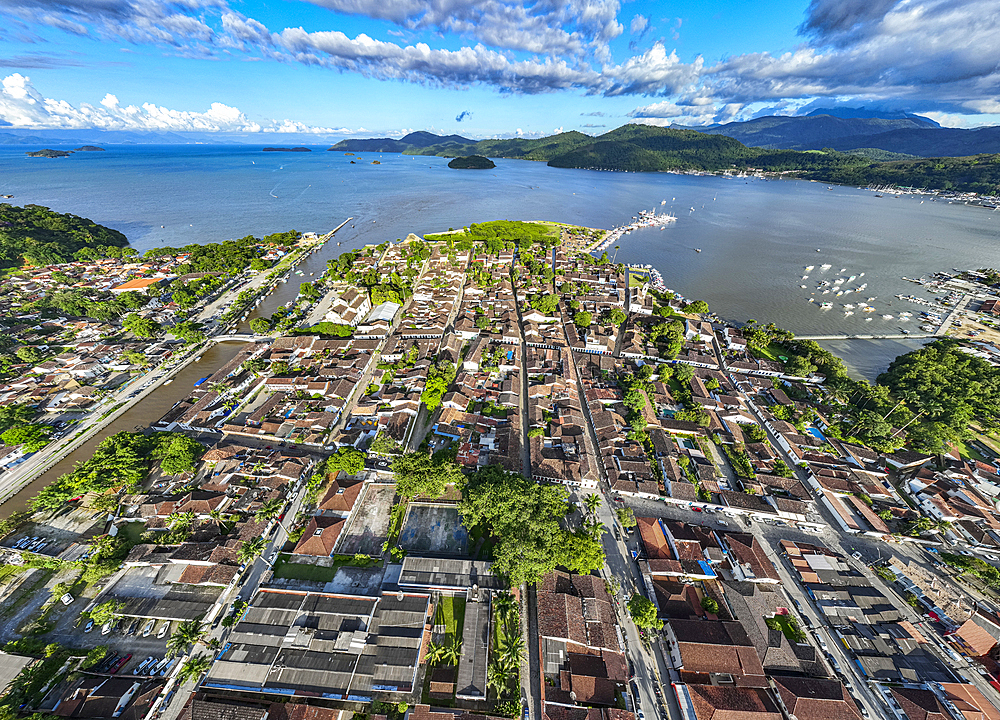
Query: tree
(32,437)
(106,612)
(709,605)
(753,433)
(698,307)
(184,636)
(16,414)
(695,415)
(419,473)
(194,668)
(178,453)
(643,612)
(348,459)
(259,326)
(545,304)
(94,656)
(384,445)
(133,357)
(583,319)
(141,327)
(269,509)
(251,548)
(592,502)
(439,377)
(29,354)
(626,517)
(781,469)
(190,332)
(614,316)
(582,551)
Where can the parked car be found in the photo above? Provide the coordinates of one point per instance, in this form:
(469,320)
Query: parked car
(148,662)
(106,628)
(148,627)
(90,626)
(163,629)
(120,663)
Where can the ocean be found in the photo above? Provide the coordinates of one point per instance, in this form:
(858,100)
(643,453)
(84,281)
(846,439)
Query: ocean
(756,236)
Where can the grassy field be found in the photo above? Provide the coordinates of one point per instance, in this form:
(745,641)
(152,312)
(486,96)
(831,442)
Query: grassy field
(301,571)
(771,352)
(450,612)
(637,277)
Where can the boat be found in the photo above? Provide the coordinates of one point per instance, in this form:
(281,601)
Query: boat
(805,277)
(825,266)
(825,292)
(848,306)
(868,319)
(838,281)
(825,306)
(887,316)
(848,313)
(169,381)
(802,286)
(809,268)
(697,249)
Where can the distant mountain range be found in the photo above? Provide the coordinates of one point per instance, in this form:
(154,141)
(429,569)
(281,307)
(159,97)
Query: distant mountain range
(850,130)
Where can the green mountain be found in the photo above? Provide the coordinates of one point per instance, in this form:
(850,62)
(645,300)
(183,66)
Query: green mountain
(900,133)
(644,148)
(41,237)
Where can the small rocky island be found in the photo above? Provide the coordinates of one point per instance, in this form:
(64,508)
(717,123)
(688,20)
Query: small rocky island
(472,162)
(47,153)
(294,149)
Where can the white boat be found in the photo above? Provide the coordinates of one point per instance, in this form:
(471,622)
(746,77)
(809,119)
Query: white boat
(838,281)
(839,293)
(825,292)
(809,268)
(805,277)
(887,316)
(825,306)
(848,306)
(825,266)
(802,286)
(853,277)
(843,269)
(848,313)
(868,319)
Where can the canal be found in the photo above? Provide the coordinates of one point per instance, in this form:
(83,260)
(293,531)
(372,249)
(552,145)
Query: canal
(150,408)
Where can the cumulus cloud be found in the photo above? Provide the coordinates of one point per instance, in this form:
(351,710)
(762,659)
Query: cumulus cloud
(927,55)
(21,105)
(462,115)
(567,27)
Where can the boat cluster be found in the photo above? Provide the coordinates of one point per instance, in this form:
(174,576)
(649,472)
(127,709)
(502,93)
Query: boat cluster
(645,219)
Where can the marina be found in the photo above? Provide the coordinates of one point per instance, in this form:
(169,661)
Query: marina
(645,219)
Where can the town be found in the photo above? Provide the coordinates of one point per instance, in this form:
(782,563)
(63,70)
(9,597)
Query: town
(481,474)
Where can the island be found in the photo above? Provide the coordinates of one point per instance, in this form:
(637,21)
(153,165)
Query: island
(47,153)
(89,148)
(472,162)
(281,149)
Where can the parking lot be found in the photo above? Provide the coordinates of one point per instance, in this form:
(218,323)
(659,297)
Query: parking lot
(121,644)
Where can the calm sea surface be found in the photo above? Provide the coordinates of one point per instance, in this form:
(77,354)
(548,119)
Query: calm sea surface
(756,236)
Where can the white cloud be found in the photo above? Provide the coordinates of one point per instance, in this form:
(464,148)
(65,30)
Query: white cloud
(23,106)
(638,25)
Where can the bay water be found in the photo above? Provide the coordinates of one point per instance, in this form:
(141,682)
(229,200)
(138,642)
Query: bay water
(756,237)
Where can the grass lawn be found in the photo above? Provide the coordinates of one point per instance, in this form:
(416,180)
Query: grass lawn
(968,451)
(637,278)
(302,571)
(450,612)
(771,352)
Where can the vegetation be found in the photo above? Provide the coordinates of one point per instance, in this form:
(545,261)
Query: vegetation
(439,377)
(36,235)
(32,437)
(420,473)
(709,605)
(643,612)
(626,517)
(187,634)
(348,460)
(178,453)
(524,520)
(120,461)
(194,668)
(472,162)
(973,566)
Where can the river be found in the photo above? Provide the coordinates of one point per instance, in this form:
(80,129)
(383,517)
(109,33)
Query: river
(152,407)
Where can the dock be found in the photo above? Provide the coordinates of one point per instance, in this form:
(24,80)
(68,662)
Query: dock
(888,336)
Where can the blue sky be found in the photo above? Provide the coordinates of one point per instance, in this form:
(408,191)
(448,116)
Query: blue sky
(486,67)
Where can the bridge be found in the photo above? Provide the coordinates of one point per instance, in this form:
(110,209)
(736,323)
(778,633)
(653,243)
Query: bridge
(247,337)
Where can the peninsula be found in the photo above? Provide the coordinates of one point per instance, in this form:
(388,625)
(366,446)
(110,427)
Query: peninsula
(439,439)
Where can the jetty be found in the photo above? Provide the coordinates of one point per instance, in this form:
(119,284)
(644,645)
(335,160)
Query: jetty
(887,336)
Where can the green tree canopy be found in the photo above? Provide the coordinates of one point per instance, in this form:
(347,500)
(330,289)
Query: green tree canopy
(348,459)
(32,437)
(419,473)
(177,453)
(643,613)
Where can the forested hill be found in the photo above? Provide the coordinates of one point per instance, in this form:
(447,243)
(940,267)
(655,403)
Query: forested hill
(36,235)
(644,148)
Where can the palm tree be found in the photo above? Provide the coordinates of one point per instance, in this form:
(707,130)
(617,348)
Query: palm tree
(497,678)
(452,651)
(194,668)
(216,515)
(251,549)
(187,633)
(505,603)
(435,653)
(592,502)
(270,509)
(510,650)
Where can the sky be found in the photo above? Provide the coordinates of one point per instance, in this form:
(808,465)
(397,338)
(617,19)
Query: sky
(487,68)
